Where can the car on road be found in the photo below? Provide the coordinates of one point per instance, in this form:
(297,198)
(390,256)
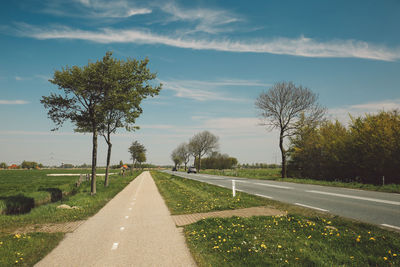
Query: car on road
(192,170)
(174,169)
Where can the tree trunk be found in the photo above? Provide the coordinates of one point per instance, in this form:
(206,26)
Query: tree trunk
(108,161)
(199,164)
(283,152)
(94,161)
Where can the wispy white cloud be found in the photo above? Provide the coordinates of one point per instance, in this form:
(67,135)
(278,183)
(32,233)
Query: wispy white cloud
(207,20)
(302,46)
(13,102)
(342,113)
(206,90)
(95,9)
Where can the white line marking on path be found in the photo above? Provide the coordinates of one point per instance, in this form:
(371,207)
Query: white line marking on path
(356,197)
(391,226)
(122,228)
(263,196)
(130,208)
(310,207)
(126,217)
(114,246)
(276,186)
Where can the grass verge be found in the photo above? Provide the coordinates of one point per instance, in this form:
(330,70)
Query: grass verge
(274,175)
(303,238)
(185,196)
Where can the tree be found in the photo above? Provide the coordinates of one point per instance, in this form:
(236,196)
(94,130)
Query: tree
(183,153)
(3,165)
(137,151)
(201,144)
(125,85)
(80,103)
(141,158)
(176,158)
(281,108)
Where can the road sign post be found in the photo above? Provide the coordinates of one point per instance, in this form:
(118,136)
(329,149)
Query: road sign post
(233,188)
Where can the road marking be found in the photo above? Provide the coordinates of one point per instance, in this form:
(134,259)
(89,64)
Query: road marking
(263,196)
(310,207)
(355,197)
(276,186)
(391,226)
(126,217)
(114,246)
(122,228)
(130,208)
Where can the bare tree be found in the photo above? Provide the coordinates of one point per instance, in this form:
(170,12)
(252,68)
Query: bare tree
(183,153)
(176,157)
(282,106)
(201,144)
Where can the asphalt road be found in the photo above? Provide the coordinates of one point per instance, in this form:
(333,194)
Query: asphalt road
(367,206)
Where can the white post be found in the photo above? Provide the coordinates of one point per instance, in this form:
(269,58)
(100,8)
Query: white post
(233,188)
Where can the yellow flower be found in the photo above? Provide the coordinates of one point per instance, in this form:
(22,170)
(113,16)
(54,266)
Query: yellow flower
(352,257)
(385,258)
(373,239)
(394,255)
(309,237)
(263,245)
(279,246)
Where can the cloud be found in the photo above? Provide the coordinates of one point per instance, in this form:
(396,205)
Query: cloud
(206,90)
(342,113)
(94,9)
(302,46)
(207,20)
(13,102)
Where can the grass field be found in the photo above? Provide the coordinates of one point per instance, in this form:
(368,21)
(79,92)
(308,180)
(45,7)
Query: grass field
(274,174)
(303,238)
(32,247)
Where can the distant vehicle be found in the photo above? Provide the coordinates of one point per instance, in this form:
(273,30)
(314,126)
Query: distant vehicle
(192,170)
(174,169)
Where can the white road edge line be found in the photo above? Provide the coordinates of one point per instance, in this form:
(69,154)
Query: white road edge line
(114,246)
(310,207)
(355,197)
(391,226)
(263,196)
(276,186)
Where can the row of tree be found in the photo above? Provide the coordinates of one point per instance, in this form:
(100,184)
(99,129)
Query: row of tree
(24,165)
(218,161)
(365,151)
(201,144)
(99,98)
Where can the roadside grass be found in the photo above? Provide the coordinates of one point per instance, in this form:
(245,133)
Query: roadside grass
(26,249)
(185,196)
(290,241)
(304,237)
(274,175)
(32,247)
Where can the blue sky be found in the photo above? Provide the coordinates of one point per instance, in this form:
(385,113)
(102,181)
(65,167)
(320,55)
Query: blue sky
(213,57)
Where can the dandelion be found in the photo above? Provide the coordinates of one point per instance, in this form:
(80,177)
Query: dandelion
(279,246)
(373,239)
(385,258)
(394,255)
(352,257)
(263,246)
(309,237)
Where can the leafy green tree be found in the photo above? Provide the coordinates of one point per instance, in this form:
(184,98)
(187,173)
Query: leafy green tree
(137,151)
(141,158)
(126,84)
(29,165)
(3,165)
(282,106)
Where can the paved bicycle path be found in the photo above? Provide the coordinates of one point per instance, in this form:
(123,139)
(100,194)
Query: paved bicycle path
(134,229)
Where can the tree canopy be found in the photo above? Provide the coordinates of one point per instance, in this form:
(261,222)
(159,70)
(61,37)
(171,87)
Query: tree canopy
(201,144)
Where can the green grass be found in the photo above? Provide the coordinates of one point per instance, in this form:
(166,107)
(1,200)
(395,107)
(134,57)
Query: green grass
(290,241)
(21,190)
(26,249)
(303,238)
(274,174)
(185,196)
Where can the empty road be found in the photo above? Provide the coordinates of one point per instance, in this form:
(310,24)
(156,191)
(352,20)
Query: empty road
(367,206)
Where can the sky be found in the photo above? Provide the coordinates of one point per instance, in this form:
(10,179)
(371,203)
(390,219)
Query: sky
(214,58)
